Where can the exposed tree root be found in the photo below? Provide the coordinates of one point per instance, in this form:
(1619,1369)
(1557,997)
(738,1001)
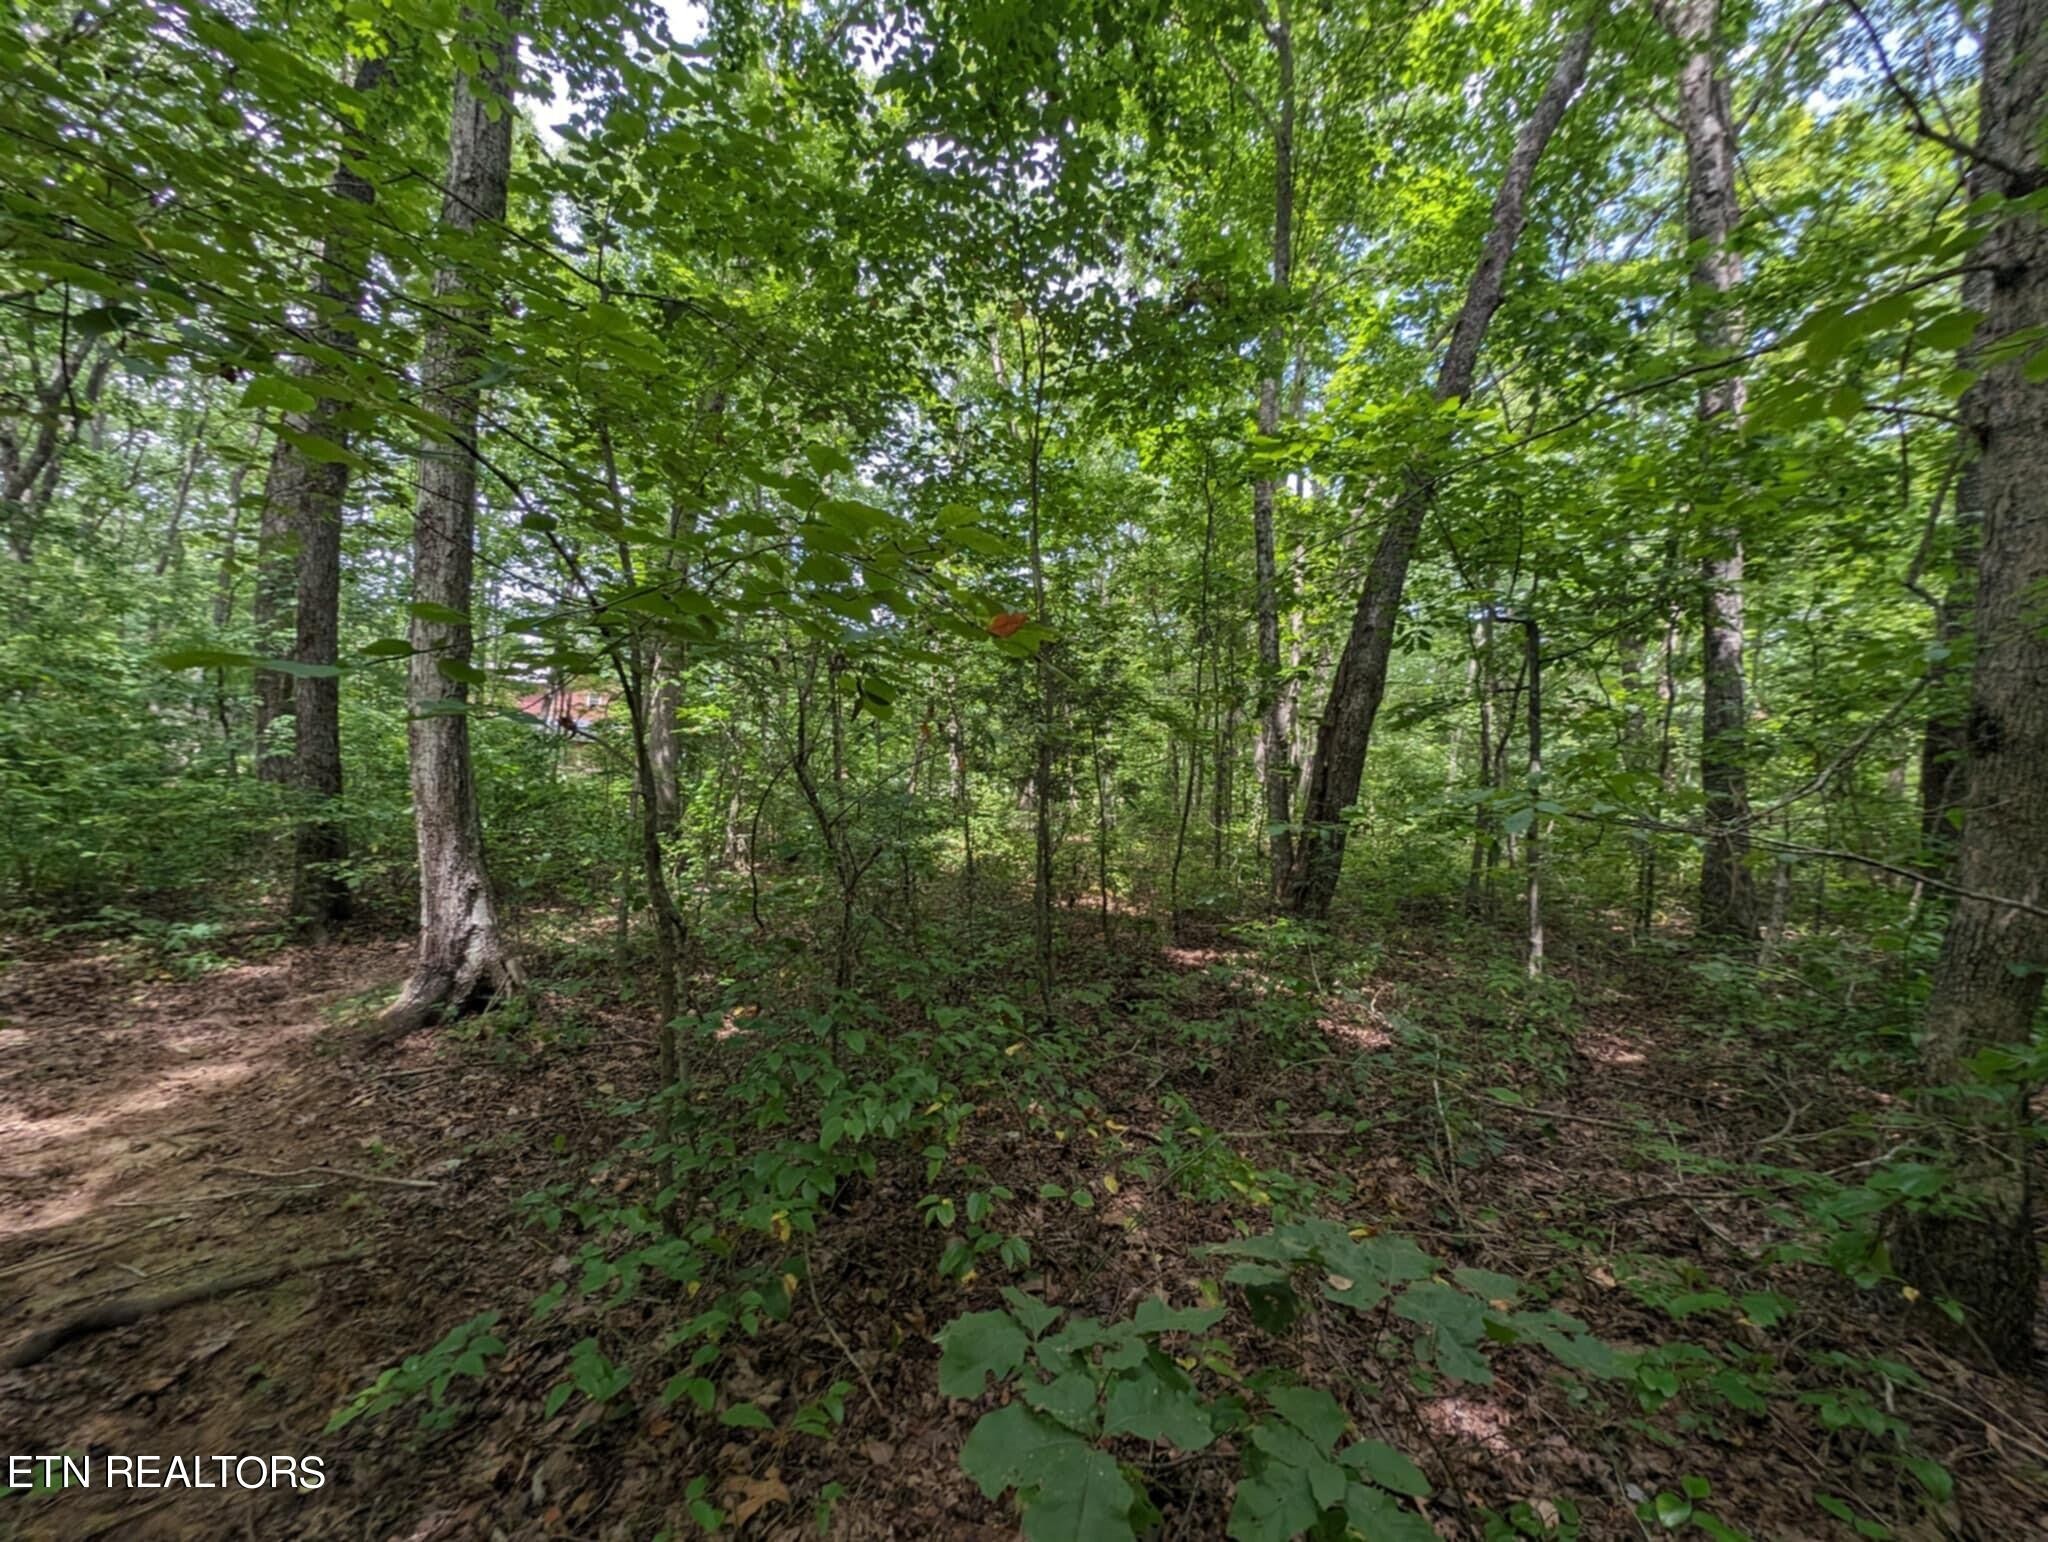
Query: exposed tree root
(41,1345)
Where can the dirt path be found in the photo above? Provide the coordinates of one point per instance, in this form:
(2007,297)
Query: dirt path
(157,1133)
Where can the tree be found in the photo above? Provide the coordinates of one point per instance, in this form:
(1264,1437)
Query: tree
(309,473)
(1276,702)
(1712,211)
(464,958)
(1344,732)
(1979,1249)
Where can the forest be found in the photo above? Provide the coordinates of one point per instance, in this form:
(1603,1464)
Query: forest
(1083,769)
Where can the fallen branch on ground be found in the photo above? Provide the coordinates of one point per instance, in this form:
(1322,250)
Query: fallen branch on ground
(40,1346)
(330,1172)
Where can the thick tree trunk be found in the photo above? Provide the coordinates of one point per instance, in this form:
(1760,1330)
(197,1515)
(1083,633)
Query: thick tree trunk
(1712,211)
(1994,958)
(1345,731)
(317,491)
(1276,703)
(464,959)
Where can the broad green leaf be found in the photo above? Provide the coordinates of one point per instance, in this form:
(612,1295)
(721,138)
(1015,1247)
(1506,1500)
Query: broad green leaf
(1068,1398)
(1385,1466)
(1013,1446)
(1082,1498)
(1156,1402)
(1381,1519)
(977,1346)
(1034,1314)
(1312,1411)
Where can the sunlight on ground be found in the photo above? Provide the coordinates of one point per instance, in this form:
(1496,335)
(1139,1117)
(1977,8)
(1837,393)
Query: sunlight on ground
(1607,1049)
(1359,1024)
(1463,1418)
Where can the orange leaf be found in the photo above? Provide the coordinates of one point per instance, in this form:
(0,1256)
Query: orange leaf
(1008,624)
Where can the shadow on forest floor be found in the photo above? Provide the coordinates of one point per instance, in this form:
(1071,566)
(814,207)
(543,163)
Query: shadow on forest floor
(155,1132)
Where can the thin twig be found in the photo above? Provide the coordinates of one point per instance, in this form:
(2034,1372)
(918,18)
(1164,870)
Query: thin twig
(826,1318)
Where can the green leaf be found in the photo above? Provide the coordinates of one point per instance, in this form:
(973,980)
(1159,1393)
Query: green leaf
(1068,1398)
(977,1346)
(1274,1307)
(745,1416)
(1156,1402)
(1459,1321)
(824,459)
(1274,1506)
(1934,1477)
(1013,1446)
(1083,1499)
(1375,1516)
(1034,1314)
(439,615)
(695,1388)
(1487,1285)
(280,392)
(1386,1467)
(1312,1411)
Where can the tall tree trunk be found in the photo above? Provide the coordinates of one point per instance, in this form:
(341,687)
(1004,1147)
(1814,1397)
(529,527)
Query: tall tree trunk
(1944,744)
(1712,211)
(271,612)
(320,895)
(1276,703)
(1032,361)
(1667,695)
(464,958)
(1482,815)
(1532,848)
(1184,799)
(1345,732)
(1994,958)
(174,528)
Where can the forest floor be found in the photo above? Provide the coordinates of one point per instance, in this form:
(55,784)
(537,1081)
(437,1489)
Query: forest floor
(159,1131)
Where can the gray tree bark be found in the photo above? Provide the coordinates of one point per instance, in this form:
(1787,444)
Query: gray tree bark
(1944,744)
(463,958)
(311,494)
(1276,703)
(1344,733)
(1712,211)
(1980,1250)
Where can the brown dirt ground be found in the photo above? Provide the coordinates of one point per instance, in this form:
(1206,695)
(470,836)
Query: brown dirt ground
(155,1132)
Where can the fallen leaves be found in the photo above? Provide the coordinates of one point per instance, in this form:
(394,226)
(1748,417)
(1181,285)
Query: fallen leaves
(747,1497)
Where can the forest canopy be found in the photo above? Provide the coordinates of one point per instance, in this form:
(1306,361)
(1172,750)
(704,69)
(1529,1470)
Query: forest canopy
(1352,694)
